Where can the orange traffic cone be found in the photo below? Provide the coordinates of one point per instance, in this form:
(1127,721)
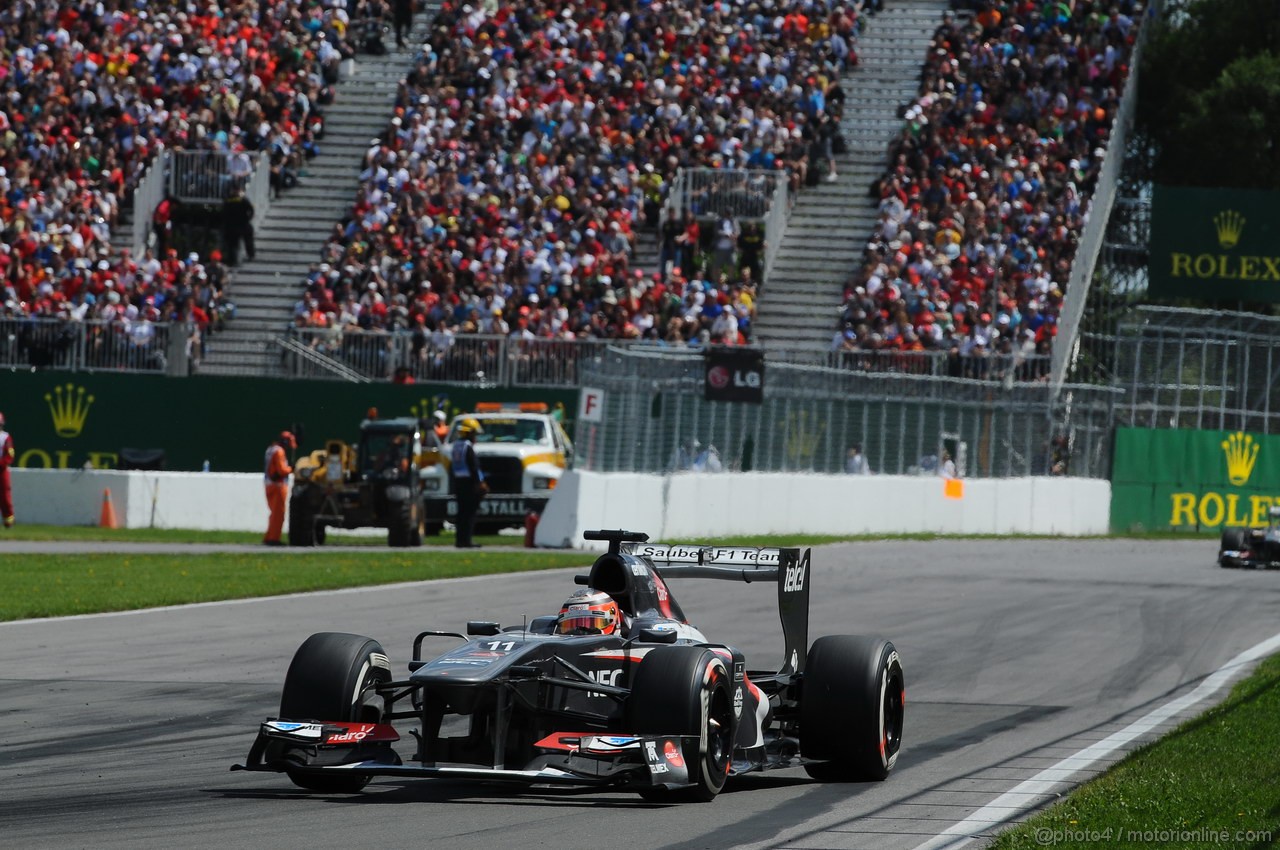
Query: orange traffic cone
(108,517)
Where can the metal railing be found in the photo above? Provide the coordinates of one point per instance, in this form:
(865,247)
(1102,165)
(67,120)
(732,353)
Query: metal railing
(991,366)
(306,361)
(737,194)
(207,176)
(114,346)
(487,360)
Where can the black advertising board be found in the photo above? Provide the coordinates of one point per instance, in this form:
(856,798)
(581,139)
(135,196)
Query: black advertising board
(1215,244)
(735,374)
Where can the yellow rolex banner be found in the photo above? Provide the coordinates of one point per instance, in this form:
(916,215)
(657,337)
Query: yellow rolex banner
(1215,244)
(1193,480)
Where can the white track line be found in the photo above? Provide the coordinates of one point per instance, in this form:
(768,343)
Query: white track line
(1025,796)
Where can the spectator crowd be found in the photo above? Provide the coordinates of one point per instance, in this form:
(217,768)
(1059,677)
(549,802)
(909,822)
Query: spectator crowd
(92,90)
(983,203)
(532,144)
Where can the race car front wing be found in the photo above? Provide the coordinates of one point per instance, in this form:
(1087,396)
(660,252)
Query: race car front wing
(582,760)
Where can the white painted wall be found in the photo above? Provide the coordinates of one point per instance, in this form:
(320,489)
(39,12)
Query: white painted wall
(685,505)
(221,501)
(689,505)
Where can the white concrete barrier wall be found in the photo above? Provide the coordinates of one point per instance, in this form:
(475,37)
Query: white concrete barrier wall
(689,505)
(213,501)
(685,505)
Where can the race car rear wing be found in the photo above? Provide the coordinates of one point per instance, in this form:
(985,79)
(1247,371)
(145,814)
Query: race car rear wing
(788,567)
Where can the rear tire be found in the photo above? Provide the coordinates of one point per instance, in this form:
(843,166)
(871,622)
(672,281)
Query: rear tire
(851,708)
(331,678)
(302,523)
(686,690)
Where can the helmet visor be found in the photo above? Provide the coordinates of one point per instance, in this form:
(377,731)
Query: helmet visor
(585,622)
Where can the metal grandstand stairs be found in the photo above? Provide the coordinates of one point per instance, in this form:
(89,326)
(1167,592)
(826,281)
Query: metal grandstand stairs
(830,223)
(292,233)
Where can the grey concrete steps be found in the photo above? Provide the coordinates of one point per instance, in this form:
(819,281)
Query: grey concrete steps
(293,231)
(830,223)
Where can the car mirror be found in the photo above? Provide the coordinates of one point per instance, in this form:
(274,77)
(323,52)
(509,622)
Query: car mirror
(656,635)
(482,627)
(543,625)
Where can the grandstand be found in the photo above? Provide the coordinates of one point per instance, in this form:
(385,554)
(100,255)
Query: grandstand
(685,101)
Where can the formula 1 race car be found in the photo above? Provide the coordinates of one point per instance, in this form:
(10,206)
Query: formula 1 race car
(1252,547)
(618,691)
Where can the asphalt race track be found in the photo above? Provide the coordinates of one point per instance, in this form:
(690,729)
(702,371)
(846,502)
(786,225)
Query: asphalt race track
(119,730)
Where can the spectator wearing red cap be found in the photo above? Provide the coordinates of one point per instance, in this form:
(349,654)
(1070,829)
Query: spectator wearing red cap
(276,481)
(6,461)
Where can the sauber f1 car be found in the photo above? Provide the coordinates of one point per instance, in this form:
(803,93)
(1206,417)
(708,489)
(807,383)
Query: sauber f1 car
(583,701)
(1252,547)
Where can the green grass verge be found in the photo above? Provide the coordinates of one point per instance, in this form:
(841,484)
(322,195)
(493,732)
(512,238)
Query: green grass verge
(1212,782)
(58,585)
(188,535)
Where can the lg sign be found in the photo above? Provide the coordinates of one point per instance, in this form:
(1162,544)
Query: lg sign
(735,374)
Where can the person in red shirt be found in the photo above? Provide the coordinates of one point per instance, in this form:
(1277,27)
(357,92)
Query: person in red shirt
(6,461)
(276,481)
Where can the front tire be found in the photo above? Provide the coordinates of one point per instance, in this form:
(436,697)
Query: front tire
(686,690)
(851,708)
(332,678)
(1234,539)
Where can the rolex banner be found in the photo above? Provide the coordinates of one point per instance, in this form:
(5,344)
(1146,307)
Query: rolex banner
(1215,244)
(69,420)
(1193,480)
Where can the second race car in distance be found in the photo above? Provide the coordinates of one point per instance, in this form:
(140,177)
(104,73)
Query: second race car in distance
(618,690)
(1252,547)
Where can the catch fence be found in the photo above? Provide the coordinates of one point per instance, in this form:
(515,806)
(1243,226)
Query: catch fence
(1188,368)
(656,419)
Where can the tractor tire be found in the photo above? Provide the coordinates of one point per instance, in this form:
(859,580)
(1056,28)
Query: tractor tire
(302,523)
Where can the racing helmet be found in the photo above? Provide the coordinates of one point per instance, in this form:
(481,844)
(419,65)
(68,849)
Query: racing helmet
(589,612)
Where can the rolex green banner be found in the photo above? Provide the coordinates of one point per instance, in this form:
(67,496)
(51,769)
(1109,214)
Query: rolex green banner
(64,420)
(1193,480)
(1215,244)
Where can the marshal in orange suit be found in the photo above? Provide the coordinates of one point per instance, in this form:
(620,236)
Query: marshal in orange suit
(276,472)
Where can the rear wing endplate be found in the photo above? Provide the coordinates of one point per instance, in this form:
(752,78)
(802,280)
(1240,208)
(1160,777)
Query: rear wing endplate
(788,567)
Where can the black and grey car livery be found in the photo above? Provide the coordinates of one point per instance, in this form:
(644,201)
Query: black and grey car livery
(1252,547)
(656,708)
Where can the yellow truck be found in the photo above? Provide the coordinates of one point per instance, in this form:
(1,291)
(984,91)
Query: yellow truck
(523,450)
